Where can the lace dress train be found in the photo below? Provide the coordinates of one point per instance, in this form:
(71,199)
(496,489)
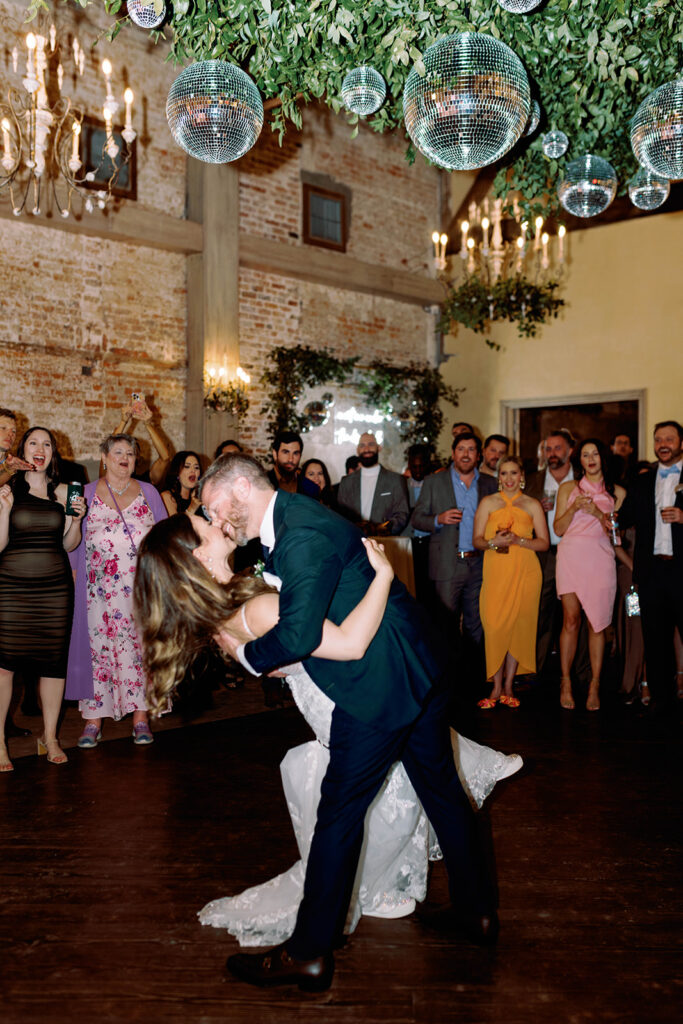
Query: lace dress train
(398,842)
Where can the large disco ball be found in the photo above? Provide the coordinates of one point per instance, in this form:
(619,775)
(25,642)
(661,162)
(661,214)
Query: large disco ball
(317,414)
(589,186)
(555,144)
(519,6)
(648,191)
(472,104)
(534,118)
(657,131)
(145,14)
(214,111)
(363,90)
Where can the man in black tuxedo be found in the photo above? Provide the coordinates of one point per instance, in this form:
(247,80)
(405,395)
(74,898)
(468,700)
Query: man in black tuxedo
(654,505)
(389,706)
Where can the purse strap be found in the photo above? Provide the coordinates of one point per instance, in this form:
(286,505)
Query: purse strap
(125,524)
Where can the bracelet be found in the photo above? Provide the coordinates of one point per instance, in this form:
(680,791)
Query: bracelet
(492,546)
(521,542)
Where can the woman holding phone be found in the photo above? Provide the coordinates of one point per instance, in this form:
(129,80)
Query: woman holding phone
(36,588)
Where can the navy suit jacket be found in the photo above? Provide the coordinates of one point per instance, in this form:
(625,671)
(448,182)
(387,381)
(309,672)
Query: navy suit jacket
(325,572)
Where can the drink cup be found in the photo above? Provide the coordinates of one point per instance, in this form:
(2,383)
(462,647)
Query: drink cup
(73,490)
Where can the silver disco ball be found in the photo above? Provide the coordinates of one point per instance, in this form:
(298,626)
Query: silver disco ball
(657,131)
(648,191)
(471,105)
(589,186)
(555,144)
(145,15)
(363,90)
(214,111)
(317,414)
(519,6)
(534,118)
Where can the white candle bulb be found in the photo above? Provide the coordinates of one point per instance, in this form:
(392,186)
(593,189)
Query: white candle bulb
(53,37)
(485,230)
(537,237)
(30,41)
(76,130)
(560,235)
(435,237)
(544,240)
(106,67)
(7,153)
(464,228)
(128,97)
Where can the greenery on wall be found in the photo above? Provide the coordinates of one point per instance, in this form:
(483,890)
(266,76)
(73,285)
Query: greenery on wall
(409,395)
(476,305)
(592,62)
(229,397)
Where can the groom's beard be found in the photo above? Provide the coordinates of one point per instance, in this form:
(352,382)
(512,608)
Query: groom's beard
(239,522)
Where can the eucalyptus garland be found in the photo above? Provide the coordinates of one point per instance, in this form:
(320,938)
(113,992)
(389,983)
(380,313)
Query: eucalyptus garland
(410,395)
(591,62)
(476,304)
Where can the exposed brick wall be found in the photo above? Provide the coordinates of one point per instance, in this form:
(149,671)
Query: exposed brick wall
(69,302)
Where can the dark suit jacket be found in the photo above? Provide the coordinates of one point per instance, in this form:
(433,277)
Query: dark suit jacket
(390,500)
(639,510)
(535,484)
(325,572)
(437,495)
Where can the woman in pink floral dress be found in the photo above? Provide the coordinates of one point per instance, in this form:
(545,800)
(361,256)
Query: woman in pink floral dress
(105,670)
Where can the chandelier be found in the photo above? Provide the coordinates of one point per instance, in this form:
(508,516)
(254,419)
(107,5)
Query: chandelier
(43,149)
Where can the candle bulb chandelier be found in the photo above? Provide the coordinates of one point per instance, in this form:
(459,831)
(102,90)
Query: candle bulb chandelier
(42,133)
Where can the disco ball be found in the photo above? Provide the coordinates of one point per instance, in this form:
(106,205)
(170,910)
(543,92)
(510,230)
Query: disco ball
(555,144)
(534,118)
(589,186)
(316,413)
(657,131)
(145,15)
(327,398)
(519,6)
(214,111)
(363,90)
(471,105)
(648,191)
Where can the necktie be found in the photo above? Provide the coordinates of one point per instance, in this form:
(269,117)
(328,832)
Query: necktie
(668,471)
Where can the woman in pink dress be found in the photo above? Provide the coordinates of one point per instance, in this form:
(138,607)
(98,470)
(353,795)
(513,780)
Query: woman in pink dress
(586,574)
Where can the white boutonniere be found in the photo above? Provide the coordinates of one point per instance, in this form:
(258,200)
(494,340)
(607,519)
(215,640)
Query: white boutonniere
(258,568)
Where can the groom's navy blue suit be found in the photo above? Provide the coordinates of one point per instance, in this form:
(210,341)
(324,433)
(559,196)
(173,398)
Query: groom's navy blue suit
(390,706)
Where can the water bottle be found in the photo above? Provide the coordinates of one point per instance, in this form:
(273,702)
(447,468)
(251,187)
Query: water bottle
(632,602)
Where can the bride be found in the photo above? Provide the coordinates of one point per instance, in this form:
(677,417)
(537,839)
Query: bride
(186,598)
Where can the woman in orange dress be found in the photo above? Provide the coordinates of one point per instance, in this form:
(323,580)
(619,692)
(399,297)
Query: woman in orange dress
(509,527)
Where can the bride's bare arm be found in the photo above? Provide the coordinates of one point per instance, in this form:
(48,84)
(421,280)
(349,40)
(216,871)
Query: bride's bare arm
(346,642)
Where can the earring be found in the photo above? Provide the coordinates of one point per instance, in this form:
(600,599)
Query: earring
(500,485)
(522,484)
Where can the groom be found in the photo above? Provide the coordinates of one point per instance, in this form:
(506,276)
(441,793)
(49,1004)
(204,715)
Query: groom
(389,706)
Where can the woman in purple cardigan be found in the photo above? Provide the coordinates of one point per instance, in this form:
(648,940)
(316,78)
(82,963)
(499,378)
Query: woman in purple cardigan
(105,673)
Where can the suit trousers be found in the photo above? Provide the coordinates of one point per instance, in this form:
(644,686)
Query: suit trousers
(461,592)
(360,757)
(661,609)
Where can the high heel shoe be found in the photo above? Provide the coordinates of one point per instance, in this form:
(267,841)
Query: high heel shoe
(61,757)
(593,699)
(644,690)
(566,699)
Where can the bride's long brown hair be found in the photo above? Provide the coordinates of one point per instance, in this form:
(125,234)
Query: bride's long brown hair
(179,606)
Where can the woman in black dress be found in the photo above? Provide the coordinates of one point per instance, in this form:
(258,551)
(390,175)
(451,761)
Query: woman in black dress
(36,587)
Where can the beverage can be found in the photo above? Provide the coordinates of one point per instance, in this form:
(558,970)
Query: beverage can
(73,490)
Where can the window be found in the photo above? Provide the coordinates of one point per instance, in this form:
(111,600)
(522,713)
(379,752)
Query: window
(324,218)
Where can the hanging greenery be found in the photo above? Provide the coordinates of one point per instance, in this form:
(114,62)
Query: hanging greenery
(408,395)
(591,61)
(477,304)
(227,398)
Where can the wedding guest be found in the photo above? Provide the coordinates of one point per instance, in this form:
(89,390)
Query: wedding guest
(512,524)
(36,588)
(654,505)
(228,447)
(586,569)
(105,661)
(314,480)
(446,508)
(180,487)
(461,428)
(286,454)
(496,446)
(9,463)
(419,459)
(139,410)
(543,486)
(376,498)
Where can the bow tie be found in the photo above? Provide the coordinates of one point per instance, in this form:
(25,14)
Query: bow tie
(668,472)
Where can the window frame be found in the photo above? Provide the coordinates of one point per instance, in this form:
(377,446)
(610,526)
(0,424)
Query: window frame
(325,193)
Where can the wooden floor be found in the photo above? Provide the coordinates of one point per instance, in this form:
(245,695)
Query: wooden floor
(105,862)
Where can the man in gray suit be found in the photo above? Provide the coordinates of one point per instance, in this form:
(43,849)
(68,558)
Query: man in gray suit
(374,498)
(446,508)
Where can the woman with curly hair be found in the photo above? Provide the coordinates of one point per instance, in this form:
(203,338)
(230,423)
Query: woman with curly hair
(180,486)
(586,574)
(186,598)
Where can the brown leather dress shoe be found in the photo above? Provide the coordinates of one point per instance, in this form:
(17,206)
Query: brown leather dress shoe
(279,968)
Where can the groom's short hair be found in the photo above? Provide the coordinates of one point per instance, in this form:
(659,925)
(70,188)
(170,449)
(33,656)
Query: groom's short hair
(226,469)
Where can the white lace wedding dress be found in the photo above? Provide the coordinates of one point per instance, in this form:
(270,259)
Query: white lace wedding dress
(398,843)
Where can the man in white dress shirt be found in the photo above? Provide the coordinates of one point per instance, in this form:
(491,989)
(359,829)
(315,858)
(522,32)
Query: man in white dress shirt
(654,505)
(375,498)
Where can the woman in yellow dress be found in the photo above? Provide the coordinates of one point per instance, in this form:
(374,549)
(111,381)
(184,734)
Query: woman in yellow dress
(509,527)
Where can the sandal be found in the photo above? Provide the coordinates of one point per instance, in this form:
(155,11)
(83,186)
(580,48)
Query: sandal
(509,702)
(487,703)
(43,746)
